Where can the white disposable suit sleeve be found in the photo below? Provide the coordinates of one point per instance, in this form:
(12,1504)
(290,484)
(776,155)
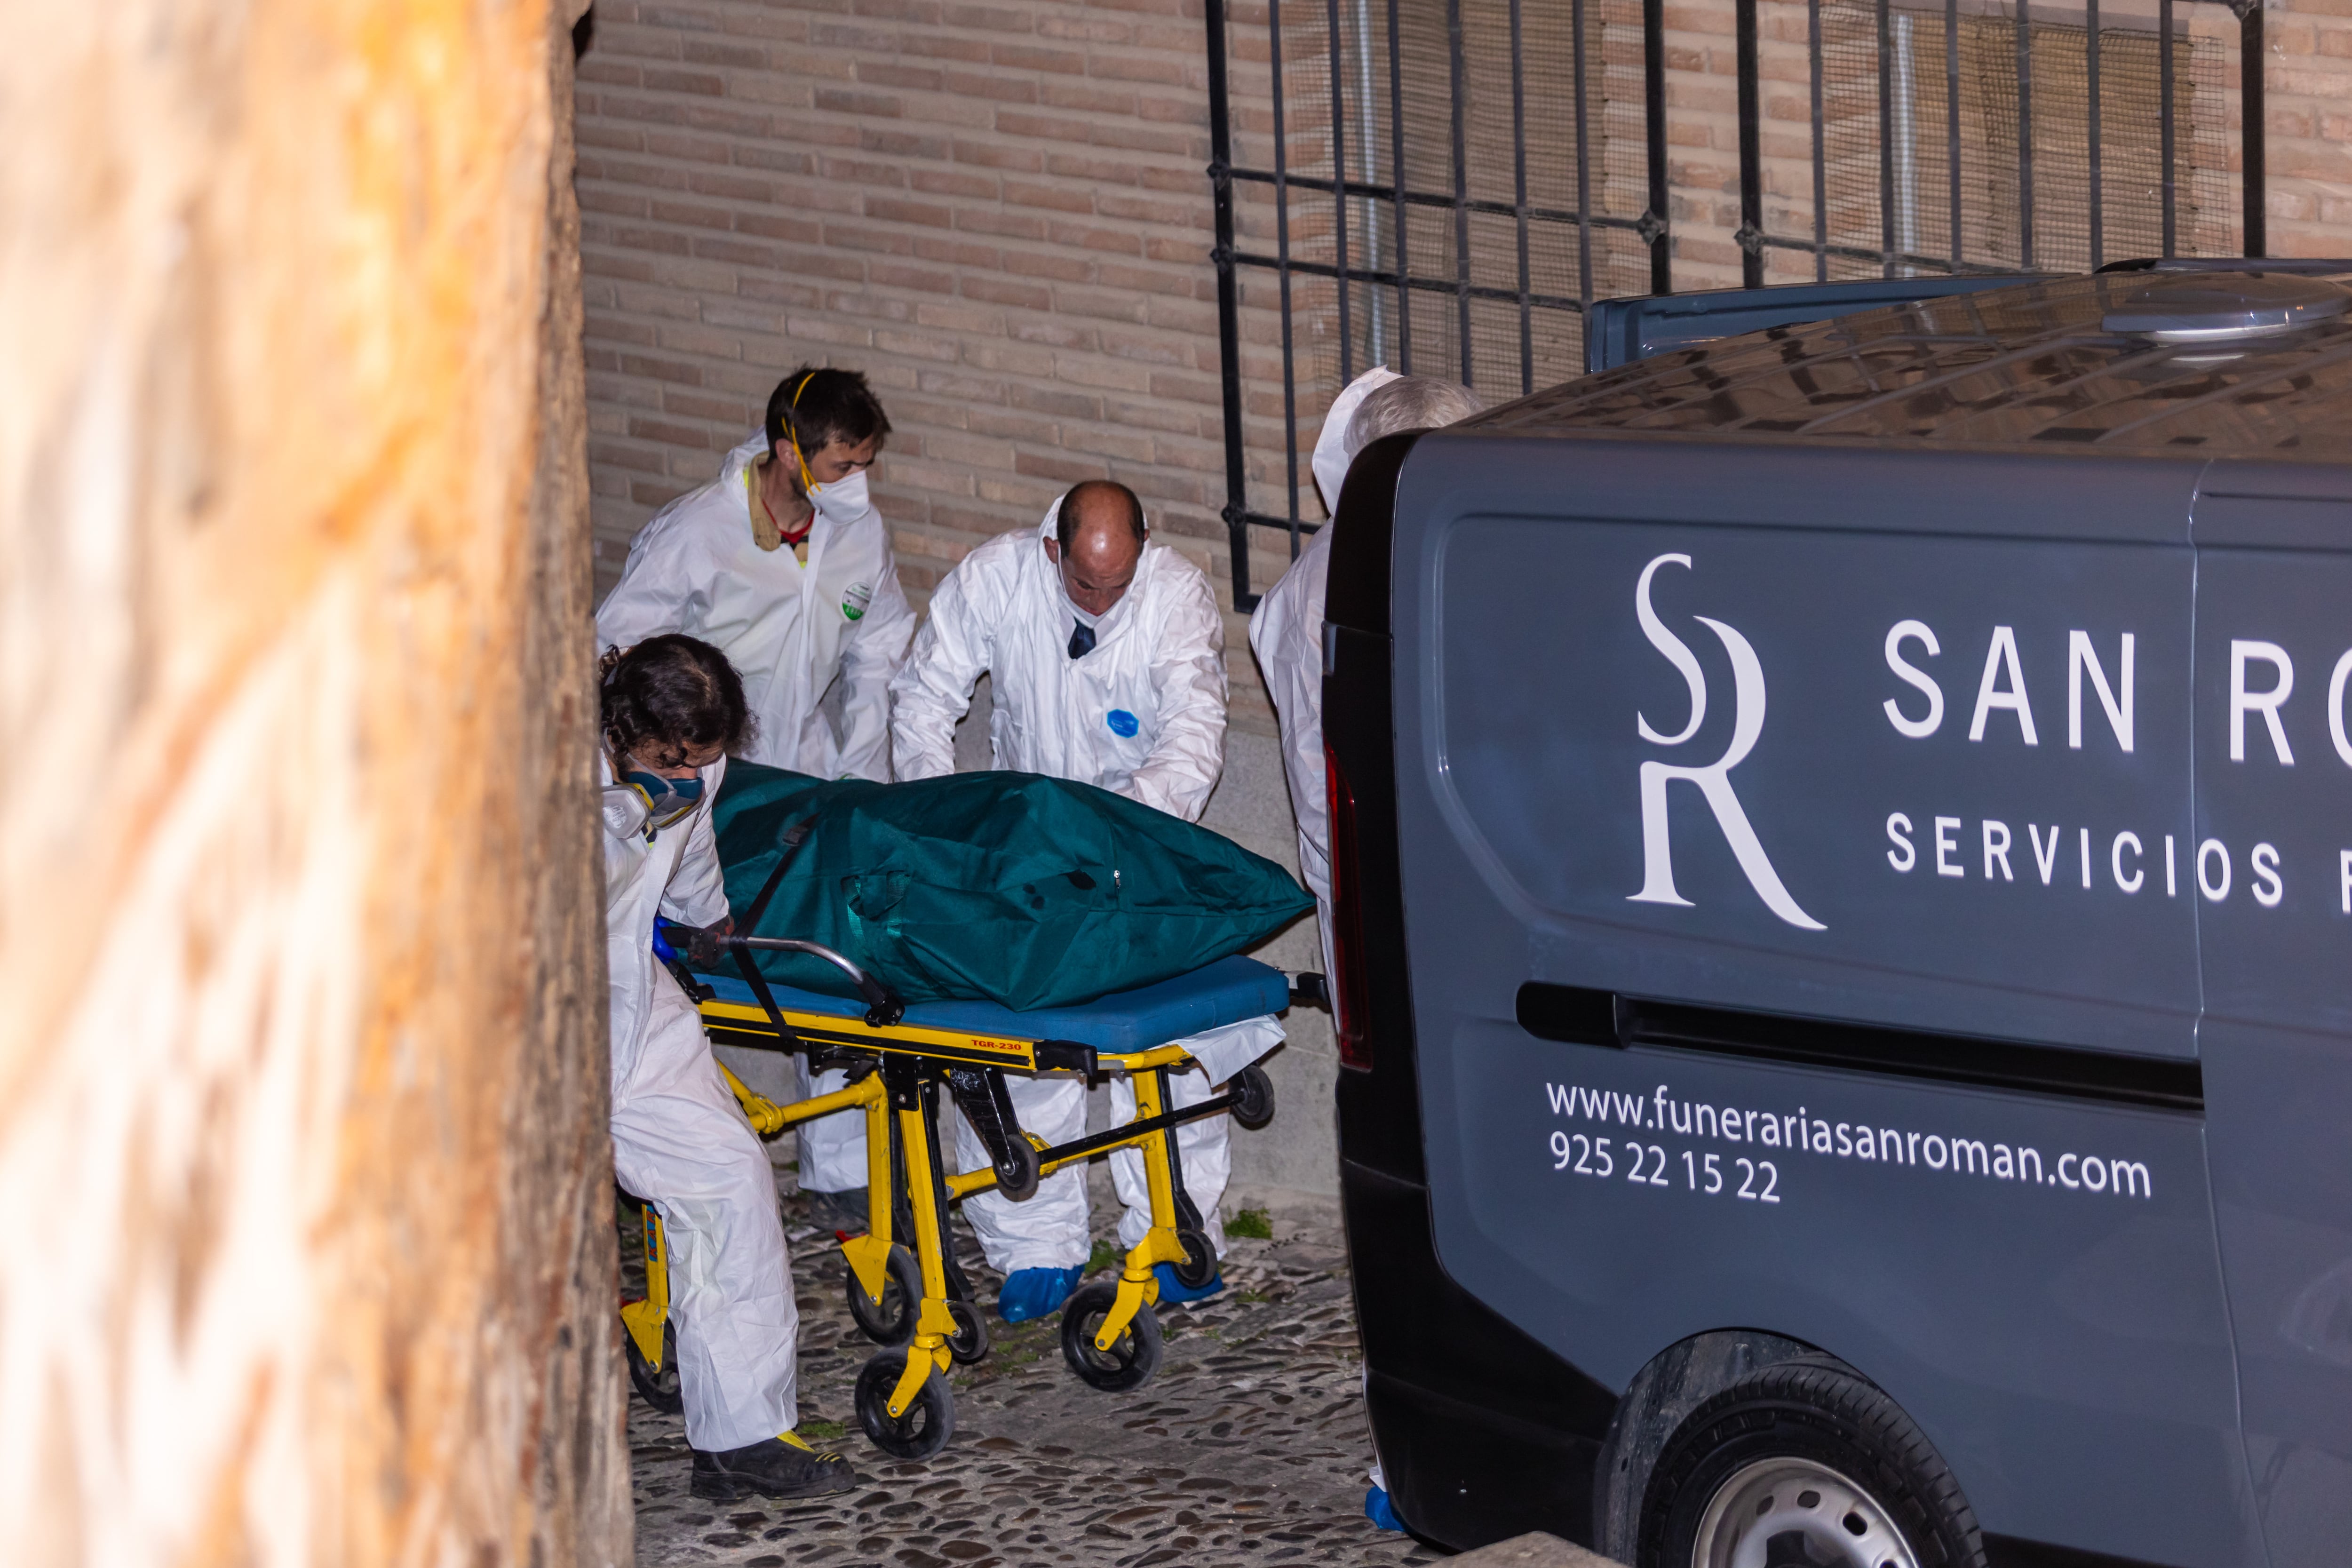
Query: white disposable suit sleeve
(1188,674)
(870,656)
(933,688)
(696,893)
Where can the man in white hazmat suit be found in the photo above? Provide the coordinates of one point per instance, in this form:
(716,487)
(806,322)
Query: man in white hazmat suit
(784,566)
(1286,634)
(671,708)
(1106,659)
(1287,631)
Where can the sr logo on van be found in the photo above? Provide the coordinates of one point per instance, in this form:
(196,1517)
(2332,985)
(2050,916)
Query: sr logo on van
(1714,779)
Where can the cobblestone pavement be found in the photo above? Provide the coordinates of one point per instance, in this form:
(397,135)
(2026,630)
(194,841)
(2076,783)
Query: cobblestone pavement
(1249,1447)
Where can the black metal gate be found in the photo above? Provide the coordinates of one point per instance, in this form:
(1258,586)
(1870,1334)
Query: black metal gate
(1445,186)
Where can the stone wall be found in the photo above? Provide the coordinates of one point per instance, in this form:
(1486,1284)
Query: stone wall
(302,1071)
(2308,92)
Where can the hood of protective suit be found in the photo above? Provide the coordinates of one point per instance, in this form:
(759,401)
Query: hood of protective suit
(742,455)
(1331,454)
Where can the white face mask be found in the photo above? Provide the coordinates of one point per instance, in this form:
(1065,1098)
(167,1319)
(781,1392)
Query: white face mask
(843,500)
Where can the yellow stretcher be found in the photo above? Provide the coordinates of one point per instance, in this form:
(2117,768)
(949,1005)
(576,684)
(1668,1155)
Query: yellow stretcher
(915,1300)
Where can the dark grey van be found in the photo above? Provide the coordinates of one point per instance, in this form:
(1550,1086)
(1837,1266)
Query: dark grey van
(1844,840)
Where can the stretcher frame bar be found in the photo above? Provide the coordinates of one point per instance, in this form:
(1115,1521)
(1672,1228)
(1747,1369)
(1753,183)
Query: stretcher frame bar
(1126,1134)
(757,1033)
(965,1047)
(740,1023)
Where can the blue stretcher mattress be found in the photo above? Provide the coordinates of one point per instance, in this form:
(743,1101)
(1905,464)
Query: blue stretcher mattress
(1226,991)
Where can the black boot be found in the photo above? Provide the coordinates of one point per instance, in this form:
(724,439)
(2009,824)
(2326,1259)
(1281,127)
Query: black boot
(774,1468)
(839,1212)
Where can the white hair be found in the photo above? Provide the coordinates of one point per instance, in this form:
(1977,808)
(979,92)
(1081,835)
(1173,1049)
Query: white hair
(1409,402)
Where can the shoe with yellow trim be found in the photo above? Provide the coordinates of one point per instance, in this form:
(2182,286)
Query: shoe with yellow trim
(781,1466)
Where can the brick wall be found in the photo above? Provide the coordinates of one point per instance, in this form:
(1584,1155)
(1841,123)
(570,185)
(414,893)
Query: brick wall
(2308,92)
(997,211)
(2307,85)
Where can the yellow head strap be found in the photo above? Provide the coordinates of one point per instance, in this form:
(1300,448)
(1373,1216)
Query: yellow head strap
(791,430)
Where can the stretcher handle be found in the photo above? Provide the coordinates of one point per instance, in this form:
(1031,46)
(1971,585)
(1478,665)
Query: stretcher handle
(883,1007)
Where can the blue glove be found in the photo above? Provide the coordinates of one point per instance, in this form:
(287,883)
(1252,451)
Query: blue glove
(1033,1292)
(1378,1508)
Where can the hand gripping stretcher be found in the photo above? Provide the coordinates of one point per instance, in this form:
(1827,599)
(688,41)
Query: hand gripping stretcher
(915,1300)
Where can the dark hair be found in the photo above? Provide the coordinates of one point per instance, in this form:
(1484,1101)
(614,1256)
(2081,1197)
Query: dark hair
(1066,526)
(671,695)
(817,407)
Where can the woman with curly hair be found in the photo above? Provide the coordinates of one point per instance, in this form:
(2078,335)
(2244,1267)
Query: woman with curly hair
(672,709)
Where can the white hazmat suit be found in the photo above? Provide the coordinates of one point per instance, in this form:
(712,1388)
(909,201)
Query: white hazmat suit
(792,632)
(1141,714)
(1286,634)
(679,1139)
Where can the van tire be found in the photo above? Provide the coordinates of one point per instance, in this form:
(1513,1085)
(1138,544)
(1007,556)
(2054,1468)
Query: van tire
(1820,1412)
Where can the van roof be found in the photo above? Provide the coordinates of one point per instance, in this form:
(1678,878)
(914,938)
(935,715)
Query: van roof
(2190,363)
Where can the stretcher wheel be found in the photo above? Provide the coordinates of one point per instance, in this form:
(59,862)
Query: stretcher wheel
(1017,1177)
(969,1343)
(658,1387)
(891,1321)
(1253,1094)
(928,1422)
(1129,1363)
(1200,1265)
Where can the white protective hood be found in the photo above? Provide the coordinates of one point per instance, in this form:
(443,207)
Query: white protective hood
(1287,634)
(1331,454)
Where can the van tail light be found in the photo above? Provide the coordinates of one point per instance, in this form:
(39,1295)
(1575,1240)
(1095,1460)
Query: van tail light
(1348,995)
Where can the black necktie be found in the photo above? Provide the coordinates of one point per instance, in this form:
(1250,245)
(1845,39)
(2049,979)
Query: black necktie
(1082,641)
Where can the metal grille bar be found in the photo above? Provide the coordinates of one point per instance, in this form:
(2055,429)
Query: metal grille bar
(1751,156)
(1523,170)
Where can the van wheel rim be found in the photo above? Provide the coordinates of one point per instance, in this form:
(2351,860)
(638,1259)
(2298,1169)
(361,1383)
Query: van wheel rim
(1795,1513)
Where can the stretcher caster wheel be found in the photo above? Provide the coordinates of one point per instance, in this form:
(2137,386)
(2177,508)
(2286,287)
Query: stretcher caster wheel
(1129,1362)
(927,1422)
(1200,1265)
(1016,1178)
(969,1343)
(658,1388)
(891,1321)
(1253,1094)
